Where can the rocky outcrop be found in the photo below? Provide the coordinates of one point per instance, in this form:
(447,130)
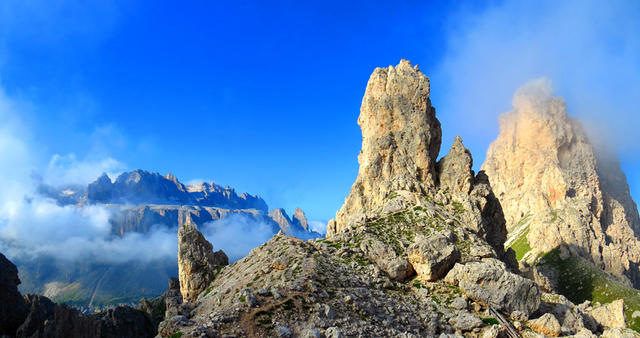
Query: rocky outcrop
(197,263)
(556,187)
(13,309)
(297,226)
(400,142)
(454,169)
(300,219)
(548,325)
(610,315)
(491,283)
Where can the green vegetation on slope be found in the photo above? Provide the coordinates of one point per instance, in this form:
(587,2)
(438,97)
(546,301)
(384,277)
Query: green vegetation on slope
(580,280)
(521,245)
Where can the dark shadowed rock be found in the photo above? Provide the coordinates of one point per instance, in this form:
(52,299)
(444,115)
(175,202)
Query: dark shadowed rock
(100,190)
(13,308)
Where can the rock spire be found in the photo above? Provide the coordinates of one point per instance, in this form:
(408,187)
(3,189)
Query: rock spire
(555,187)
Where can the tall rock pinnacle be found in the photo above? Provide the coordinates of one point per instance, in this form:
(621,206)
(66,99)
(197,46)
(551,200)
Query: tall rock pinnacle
(400,142)
(197,262)
(555,187)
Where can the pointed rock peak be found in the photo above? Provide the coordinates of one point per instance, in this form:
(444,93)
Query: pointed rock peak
(196,262)
(551,185)
(300,218)
(400,142)
(455,170)
(171,178)
(104,178)
(282,219)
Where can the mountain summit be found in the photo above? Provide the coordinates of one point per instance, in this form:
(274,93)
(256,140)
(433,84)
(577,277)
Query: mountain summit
(557,188)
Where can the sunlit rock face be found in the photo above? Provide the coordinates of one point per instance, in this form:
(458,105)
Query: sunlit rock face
(555,187)
(400,142)
(197,262)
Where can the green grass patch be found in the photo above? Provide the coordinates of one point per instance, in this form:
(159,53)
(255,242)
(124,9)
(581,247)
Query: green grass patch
(490,321)
(580,280)
(176,335)
(521,245)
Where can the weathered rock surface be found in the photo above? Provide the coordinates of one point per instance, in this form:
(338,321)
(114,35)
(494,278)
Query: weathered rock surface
(490,282)
(432,256)
(556,187)
(400,142)
(548,325)
(620,333)
(284,222)
(610,315)
(13,309)
(197,263)
(300,219)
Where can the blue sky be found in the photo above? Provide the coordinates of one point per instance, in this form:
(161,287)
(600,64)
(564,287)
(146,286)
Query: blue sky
(264,96)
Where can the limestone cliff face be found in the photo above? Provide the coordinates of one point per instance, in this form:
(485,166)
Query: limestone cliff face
(196,262)
(400,142)
(554,187)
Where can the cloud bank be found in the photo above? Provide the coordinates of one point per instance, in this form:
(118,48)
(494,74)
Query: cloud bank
(32,225)
(589,50)
(237,235)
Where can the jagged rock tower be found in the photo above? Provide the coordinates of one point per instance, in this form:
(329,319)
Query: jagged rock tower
(400,142)
(401,139)
(555,187)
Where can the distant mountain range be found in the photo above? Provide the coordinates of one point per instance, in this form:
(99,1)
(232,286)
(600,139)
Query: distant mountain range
(138,201)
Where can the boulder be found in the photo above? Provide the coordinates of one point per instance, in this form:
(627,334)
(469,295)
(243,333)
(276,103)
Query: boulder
(548,325)
(490,282)
(619,333)
(385,257)
(432,256)
(465,321)
(610,315)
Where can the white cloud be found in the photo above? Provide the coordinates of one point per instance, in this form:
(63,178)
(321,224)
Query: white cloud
(589,49)
(32,225)
(318,226)
(237,235)
(67,169)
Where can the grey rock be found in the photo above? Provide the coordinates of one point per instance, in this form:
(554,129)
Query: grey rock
(13,308)
(283,331)
(490,282)
(432,256)
(459,303)
(465,321)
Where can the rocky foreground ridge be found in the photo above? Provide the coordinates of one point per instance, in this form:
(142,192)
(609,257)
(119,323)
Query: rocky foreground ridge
(416,251)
